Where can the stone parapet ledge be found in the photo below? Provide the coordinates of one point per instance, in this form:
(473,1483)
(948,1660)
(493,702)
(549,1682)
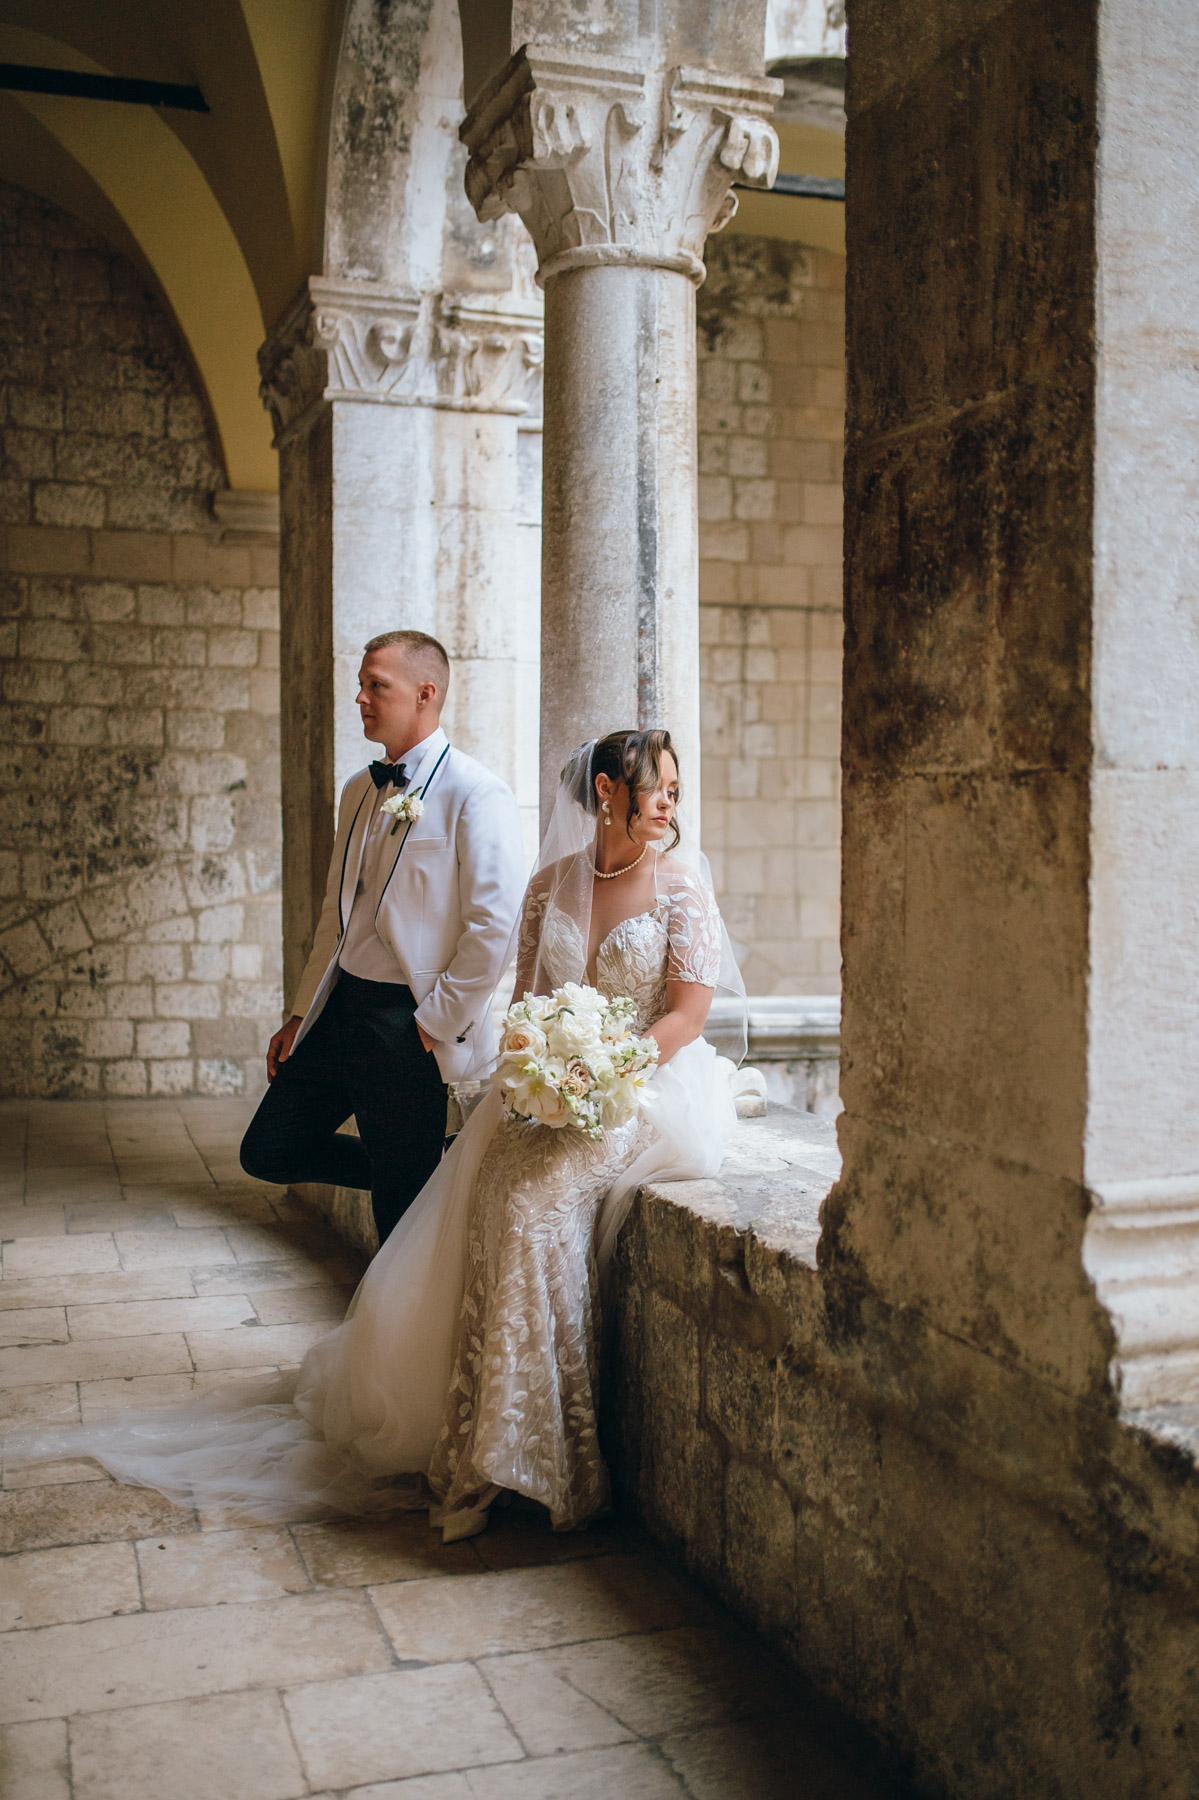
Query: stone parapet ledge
(777,1172)
(783,1027)
(795,1039)
(772,1184)
(869,1492)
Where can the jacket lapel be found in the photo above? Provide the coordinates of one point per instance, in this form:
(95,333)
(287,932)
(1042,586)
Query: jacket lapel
(424,787)
(351,862)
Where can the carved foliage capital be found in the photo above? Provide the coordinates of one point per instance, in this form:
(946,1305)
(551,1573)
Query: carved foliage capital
(608,162)
(348,341)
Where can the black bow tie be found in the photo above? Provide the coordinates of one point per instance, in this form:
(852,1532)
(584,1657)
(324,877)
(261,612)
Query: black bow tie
(382,773)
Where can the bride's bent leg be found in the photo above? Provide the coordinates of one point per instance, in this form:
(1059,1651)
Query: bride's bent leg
(521,1410)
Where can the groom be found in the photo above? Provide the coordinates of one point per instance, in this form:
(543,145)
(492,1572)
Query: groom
(412,940)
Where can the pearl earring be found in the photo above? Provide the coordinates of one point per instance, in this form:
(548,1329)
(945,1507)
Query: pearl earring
(607,813)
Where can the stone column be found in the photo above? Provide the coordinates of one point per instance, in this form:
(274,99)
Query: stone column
(396,417)
(1021,823)
(619,170)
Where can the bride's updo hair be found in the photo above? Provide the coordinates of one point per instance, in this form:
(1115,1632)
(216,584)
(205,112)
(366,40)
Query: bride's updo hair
(634,757)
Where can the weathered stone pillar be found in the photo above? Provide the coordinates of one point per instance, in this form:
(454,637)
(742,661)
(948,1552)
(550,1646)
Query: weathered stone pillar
(1021,1020)
(396,417)
(620,167)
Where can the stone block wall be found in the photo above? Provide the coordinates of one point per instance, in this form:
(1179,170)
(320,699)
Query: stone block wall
(771,428)
(996,1578)
(139,780)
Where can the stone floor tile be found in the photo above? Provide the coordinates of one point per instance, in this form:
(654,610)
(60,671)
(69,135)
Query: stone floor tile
(630,1771)
(34,1325)
(34,1762)
(628,1693)
(119,1215)
(761,1760)
(297,1306)
(171,1249)
(73,1168)
(84,1255)
(169,1162)
(107,1664)
(100,1360)
(407,1722)
(263,1277)
(418,1787)
(545,1710)
(75,1581)
(83,1181)
(31,1222)
(140,1318)
(85,1512)
(90,1290)
(357,1552)
(533,1609)
(220,1208)
(252,1347)
(101,1399)
(195,1187)
(213,1567)
(268,1243)
(53,1474)
(676,1681)
(235,1747)
(520,1537)
(57,1403)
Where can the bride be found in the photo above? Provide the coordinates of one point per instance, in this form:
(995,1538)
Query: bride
(469,1357)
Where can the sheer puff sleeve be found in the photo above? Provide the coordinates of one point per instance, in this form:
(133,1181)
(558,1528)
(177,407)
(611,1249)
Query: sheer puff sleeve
(693,928)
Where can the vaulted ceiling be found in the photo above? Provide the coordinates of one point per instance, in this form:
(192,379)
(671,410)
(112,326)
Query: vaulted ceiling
(220,210)
(224,211)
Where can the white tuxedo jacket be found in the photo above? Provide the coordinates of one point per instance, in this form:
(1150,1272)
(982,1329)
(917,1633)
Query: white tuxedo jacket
(448,910)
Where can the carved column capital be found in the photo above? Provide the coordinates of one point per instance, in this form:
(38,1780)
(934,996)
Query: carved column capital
(608,162)
(349,340)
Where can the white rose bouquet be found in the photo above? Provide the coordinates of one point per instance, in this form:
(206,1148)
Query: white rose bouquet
(572,1058)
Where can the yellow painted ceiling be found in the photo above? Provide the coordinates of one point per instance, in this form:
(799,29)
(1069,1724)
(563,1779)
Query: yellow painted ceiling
(222,208)
(222,211)
(803,150)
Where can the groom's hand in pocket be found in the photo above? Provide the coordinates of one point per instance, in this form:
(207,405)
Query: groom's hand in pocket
(425,1039)
(279,1048)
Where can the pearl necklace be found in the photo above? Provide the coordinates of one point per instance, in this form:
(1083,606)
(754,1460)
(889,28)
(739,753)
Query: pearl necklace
(611,874)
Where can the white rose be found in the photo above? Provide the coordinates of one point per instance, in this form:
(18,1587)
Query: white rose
(577,1033)
(582,999)
(524,1039)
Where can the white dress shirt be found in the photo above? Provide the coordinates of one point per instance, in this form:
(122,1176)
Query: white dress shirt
(363,952)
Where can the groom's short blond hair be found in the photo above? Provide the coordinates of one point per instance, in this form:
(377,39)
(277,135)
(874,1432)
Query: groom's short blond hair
(422,653)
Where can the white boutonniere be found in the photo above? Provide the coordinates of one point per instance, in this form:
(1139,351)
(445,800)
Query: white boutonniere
(404,809)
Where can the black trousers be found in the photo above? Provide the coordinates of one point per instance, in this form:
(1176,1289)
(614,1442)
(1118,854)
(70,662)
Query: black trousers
(363,1056)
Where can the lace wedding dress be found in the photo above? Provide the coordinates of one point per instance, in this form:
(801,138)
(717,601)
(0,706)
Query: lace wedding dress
(521,1410)
(470,1351)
